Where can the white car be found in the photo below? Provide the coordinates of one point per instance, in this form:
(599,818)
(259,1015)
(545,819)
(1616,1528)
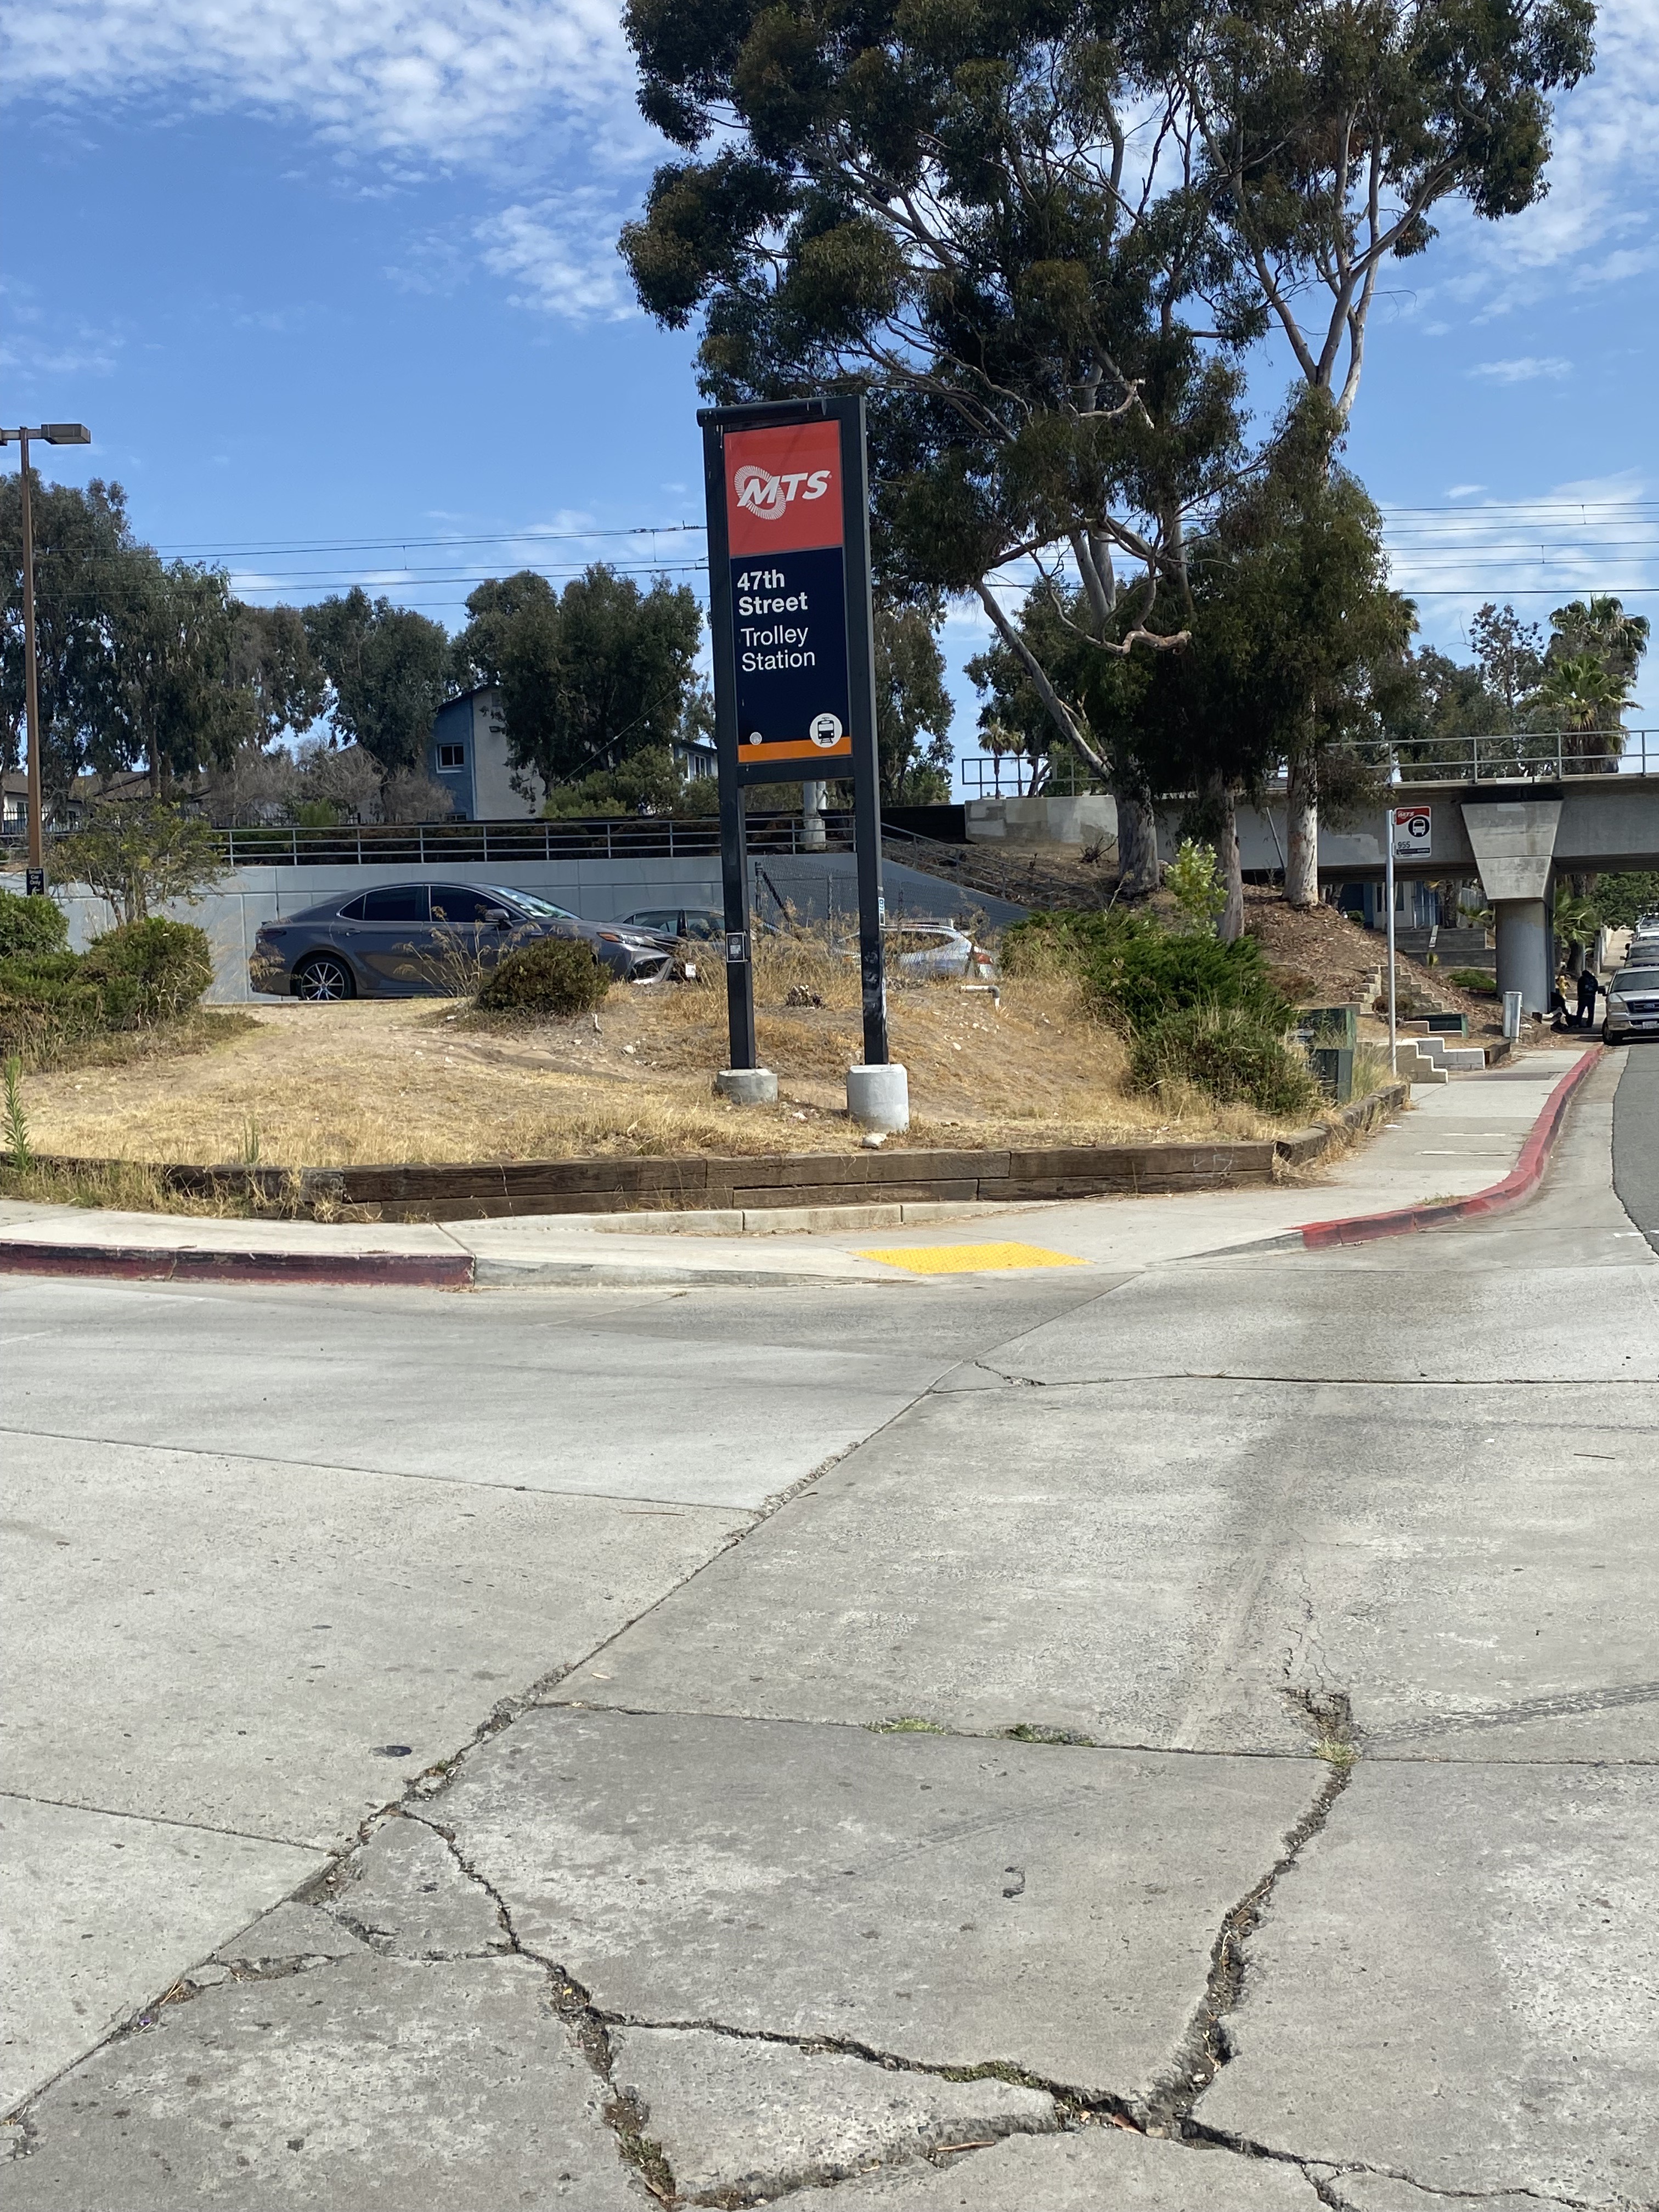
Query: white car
(920,950)
(1632,1008)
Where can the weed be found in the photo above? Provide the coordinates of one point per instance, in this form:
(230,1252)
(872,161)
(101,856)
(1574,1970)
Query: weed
(1035,1732)
(905,1725)
(17,1128)
(130,1186)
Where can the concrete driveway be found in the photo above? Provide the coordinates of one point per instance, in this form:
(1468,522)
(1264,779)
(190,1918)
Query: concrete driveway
(1156,1737)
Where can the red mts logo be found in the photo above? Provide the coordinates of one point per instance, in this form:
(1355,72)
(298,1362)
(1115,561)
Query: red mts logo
(783,489)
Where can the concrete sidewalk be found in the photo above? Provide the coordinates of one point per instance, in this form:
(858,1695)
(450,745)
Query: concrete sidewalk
(1180,1739)
(1455,1140)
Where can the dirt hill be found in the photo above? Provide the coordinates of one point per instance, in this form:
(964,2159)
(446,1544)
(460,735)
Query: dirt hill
(1325,959)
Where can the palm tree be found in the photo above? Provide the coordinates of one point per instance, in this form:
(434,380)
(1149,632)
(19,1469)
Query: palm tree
(1602,628)
(1589,670)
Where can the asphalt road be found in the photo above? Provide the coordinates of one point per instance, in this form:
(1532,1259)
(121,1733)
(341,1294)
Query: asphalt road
(849,1744)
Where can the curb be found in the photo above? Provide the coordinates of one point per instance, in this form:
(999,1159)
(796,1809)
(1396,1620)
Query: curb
(1521,1181)
(192,1264)
(461,1272)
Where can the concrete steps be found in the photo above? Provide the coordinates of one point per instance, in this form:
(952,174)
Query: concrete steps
(1432,1060)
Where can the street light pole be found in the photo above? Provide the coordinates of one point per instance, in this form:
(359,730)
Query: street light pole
(34,881)
(53,433)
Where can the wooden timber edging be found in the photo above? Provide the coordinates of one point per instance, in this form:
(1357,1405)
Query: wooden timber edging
(473,1190)
(1302,1146)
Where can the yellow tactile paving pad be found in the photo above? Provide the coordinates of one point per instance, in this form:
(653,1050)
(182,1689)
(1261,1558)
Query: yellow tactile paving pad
(971,1259)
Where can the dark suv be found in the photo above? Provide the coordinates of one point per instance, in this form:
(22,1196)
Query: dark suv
(411,940)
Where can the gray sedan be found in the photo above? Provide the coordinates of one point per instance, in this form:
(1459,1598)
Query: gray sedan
(412,940)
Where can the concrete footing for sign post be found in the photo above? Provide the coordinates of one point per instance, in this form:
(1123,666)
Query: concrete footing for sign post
(748,1086)
(879,1098)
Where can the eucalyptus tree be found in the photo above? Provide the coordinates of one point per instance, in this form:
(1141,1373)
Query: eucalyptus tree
(271,659)
(83,547)
(178,708)
(988,218)
(1042,236)
(590,676)
(912,704)
(1332,132)
(389,670)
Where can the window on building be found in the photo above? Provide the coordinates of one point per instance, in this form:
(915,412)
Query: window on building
(452,756)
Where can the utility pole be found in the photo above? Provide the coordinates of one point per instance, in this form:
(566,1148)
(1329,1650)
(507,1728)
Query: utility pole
(49,433)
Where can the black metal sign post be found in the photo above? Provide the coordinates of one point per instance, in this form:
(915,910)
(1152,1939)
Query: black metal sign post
(788,500)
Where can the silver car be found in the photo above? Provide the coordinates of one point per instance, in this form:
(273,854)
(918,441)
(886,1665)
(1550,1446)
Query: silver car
(1632,1007)
(924,951)
(415,940)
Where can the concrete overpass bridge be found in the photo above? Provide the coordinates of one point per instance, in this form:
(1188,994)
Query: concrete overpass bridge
(1513,835)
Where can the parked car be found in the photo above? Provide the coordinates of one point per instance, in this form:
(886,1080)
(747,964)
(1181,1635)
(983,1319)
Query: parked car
(410,941)
(919,952)
(698,924)
(1632,1004)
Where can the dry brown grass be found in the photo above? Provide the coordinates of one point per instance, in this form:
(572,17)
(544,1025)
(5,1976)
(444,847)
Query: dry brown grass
(128,1185)
(426,1080)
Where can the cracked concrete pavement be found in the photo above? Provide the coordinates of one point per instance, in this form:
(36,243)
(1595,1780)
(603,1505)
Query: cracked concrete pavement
(1164,1740)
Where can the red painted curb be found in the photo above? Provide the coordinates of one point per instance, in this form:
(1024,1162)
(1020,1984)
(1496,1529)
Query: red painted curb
(1520,1182)
(192,1264)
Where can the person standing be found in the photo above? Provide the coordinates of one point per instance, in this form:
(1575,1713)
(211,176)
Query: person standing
(1588,988)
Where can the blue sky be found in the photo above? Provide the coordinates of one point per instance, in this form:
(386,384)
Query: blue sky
(332,282)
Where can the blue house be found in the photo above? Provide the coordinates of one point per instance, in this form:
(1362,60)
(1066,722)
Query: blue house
(466,755)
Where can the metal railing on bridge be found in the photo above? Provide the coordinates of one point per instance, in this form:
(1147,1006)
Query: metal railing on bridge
(440,844)
(1506,756)
(1011,776)
(1530,757)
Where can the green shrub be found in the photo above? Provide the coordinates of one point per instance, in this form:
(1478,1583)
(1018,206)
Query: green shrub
(45,1004)
(31,925)
(1479,982)
(1138,973)
(554,975)
(149,971)
(138,854)
(1231,1054)
(1193,881)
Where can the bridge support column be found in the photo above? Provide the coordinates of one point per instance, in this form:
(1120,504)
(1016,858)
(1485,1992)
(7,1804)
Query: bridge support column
(1523,951)
(1514,844)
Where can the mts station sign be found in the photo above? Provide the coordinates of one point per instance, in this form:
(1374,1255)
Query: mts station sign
(789,503)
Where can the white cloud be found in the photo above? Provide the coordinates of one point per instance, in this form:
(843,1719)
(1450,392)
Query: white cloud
(1592,223)
(1526,370)
(1464,491)
(451,81)
(561,253)
(510,87)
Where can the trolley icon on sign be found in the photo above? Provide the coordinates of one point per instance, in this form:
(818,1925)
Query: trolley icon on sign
(825,731)
(1413,832)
